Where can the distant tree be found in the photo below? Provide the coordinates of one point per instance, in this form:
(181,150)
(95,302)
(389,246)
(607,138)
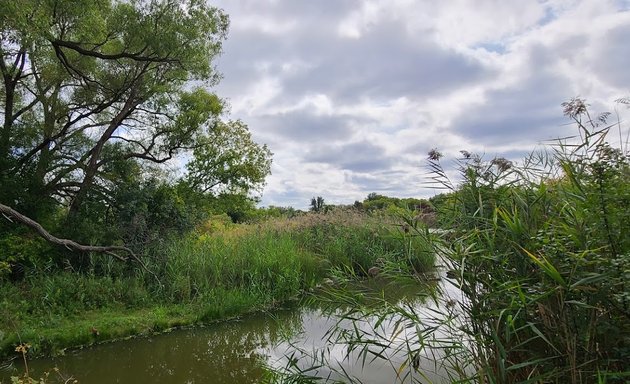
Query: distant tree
(275,212)
(375,201)
(373,196)
(317,204)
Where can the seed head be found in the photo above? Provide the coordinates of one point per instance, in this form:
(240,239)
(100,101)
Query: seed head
(435,155)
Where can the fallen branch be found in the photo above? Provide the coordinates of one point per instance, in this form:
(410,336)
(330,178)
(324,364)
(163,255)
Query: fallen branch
(11,214)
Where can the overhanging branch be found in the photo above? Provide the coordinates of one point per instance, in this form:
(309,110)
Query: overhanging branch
(11,214)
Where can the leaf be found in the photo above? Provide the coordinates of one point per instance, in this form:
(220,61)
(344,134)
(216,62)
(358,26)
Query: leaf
(537,331)
(401,368)
(594,278)
(547,267)
(528,363)
(580,304)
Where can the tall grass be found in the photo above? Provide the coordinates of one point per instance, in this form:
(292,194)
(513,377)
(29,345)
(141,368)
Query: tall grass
(280,258)
(542,258)
(218,271)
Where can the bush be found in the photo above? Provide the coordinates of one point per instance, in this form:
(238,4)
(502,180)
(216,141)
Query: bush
(20,253)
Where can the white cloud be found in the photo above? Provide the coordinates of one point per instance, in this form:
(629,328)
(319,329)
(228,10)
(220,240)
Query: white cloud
(367,87)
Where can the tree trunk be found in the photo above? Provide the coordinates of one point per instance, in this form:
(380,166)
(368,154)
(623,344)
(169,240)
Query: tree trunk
(10,77)
(5,137)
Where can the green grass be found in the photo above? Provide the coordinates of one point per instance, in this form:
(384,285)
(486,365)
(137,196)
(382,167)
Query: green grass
(206,276)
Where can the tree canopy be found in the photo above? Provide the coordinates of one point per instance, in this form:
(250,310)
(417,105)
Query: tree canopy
(317,204)
(97,93)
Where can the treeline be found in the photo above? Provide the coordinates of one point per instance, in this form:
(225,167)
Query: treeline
(376,202)
(247,211)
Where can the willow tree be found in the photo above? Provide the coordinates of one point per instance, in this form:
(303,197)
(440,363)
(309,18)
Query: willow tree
(89,85)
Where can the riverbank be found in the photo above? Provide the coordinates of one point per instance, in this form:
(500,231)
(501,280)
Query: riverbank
(207,276)
(250,349)
(52,335)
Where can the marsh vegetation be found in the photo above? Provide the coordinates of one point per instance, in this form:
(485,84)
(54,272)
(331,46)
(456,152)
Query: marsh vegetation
(129,207)
(539,259)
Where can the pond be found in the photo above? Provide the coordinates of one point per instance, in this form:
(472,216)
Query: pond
(243,350)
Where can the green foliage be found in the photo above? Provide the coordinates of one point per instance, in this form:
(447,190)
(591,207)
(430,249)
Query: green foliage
(19,252)
(240,208)
(94,95)
(317,204)
(149,211)
(374,201)
(282,257)
(122,67)
(228,161)
(272,211)
(221,269)
(539,254)
(357,240)
(215,224)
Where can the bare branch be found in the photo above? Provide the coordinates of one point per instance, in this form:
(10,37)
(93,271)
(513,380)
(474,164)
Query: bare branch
(11,213)
(138,56)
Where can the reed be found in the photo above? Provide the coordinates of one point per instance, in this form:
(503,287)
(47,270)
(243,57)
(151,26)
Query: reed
(539,256)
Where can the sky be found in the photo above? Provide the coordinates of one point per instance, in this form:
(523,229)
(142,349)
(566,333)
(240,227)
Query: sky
(350,95)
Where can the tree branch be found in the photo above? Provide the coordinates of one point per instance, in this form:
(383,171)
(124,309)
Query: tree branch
(138,56)
(10,213)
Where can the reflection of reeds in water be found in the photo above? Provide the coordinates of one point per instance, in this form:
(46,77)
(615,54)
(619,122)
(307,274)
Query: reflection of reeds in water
(365,338)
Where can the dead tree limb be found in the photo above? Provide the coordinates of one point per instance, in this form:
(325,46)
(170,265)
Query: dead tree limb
(11,214)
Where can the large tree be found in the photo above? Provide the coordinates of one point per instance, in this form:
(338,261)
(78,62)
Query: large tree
(87,83)
(96,90)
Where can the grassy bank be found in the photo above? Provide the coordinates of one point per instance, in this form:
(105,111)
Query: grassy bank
(219,271)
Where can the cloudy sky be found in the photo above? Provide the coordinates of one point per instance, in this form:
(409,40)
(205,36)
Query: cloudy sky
(350,95)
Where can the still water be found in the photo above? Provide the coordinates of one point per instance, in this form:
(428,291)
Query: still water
(243,350)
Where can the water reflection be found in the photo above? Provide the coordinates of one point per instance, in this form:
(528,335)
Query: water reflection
(412,336)
(230,352)
(240,351)
(379,348)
